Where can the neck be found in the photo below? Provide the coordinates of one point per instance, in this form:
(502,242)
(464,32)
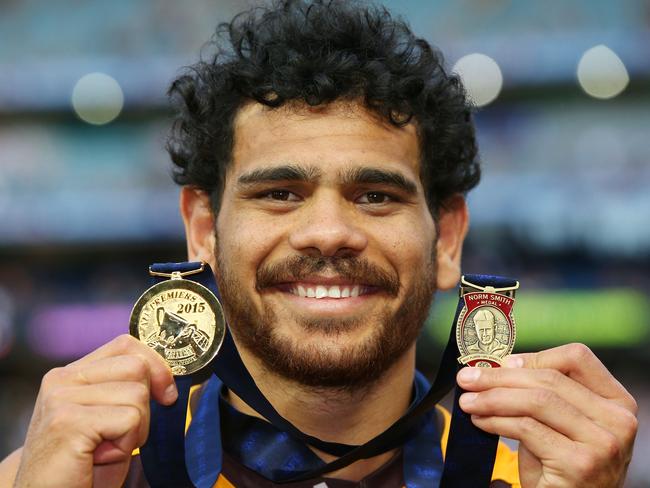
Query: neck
(338,415)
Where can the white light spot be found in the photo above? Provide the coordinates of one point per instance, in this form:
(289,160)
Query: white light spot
(97,98)
(601,73)
(481,77)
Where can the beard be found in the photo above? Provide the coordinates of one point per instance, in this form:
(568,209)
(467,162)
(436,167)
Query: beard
(348,367)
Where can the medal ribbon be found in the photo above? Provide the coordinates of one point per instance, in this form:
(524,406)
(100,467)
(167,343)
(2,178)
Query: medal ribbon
(276,456)
(469,459)
(163,456)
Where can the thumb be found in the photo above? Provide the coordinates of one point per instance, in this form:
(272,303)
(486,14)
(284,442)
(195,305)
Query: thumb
(110,475)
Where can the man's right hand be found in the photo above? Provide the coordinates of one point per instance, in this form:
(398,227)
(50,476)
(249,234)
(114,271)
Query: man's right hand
(91,414)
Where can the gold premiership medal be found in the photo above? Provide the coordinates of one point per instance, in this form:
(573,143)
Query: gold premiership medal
(181,320)
(485,331)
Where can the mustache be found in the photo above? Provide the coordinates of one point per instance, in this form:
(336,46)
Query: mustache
(357,270)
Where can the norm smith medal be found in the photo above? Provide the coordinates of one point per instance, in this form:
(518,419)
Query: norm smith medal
(485,331)
(182,321)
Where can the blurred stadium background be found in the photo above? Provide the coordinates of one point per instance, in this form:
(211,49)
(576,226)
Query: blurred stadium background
(86,201)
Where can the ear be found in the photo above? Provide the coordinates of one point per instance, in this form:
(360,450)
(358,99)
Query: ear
(453,221)
(199,225)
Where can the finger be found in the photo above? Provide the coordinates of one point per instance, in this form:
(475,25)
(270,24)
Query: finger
(607,414)
(128,394)
(543,442)
(544,406)
(129,368)
(565,463)
(132,367)
(579,363)
(108,453)
(80,429)
(163,387)
(119,424)
(110,475)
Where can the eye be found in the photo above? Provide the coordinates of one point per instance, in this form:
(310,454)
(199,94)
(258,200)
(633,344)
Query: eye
(281,195)
(375,197)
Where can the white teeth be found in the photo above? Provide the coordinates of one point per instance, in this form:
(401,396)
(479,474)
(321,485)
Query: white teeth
(321,291)
(334,292)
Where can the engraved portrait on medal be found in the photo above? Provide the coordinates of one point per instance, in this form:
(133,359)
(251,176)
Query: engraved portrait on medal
(485,330)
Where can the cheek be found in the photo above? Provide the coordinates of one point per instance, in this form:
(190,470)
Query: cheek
(410,250)
(244,243)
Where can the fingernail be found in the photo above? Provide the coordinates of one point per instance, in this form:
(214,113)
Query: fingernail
(171,393)
(514,362)
(467,398)
(469,375)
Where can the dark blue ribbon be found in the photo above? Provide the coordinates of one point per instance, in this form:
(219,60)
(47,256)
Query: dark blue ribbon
(470,454)
(164,456)
(273,454)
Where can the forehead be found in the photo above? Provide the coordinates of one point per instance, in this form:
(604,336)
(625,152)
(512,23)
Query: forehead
(331,138)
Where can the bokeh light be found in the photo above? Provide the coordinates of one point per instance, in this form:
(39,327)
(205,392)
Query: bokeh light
(601,73)
(97,98)
(481,76)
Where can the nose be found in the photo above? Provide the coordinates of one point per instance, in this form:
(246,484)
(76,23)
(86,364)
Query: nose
(328,227)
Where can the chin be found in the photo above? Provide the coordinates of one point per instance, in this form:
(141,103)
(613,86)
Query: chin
(328,331)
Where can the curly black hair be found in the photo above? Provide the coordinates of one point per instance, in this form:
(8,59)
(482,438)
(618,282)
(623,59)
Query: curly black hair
(317,52)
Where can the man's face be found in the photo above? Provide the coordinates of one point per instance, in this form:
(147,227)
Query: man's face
(325,251)
(485,329)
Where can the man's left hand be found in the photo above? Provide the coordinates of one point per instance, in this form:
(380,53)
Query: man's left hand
(575,422)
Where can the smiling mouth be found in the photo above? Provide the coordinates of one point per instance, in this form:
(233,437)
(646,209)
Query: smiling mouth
(335,291)
(331,278)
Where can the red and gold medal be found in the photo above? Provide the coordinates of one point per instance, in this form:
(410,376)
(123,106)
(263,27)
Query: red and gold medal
(485,331)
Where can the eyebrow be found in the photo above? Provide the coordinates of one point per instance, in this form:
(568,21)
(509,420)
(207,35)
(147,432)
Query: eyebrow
(379,176)
(310,174)
(288,172)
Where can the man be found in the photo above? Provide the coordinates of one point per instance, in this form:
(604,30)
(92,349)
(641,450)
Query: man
(486,342)
(324,155)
